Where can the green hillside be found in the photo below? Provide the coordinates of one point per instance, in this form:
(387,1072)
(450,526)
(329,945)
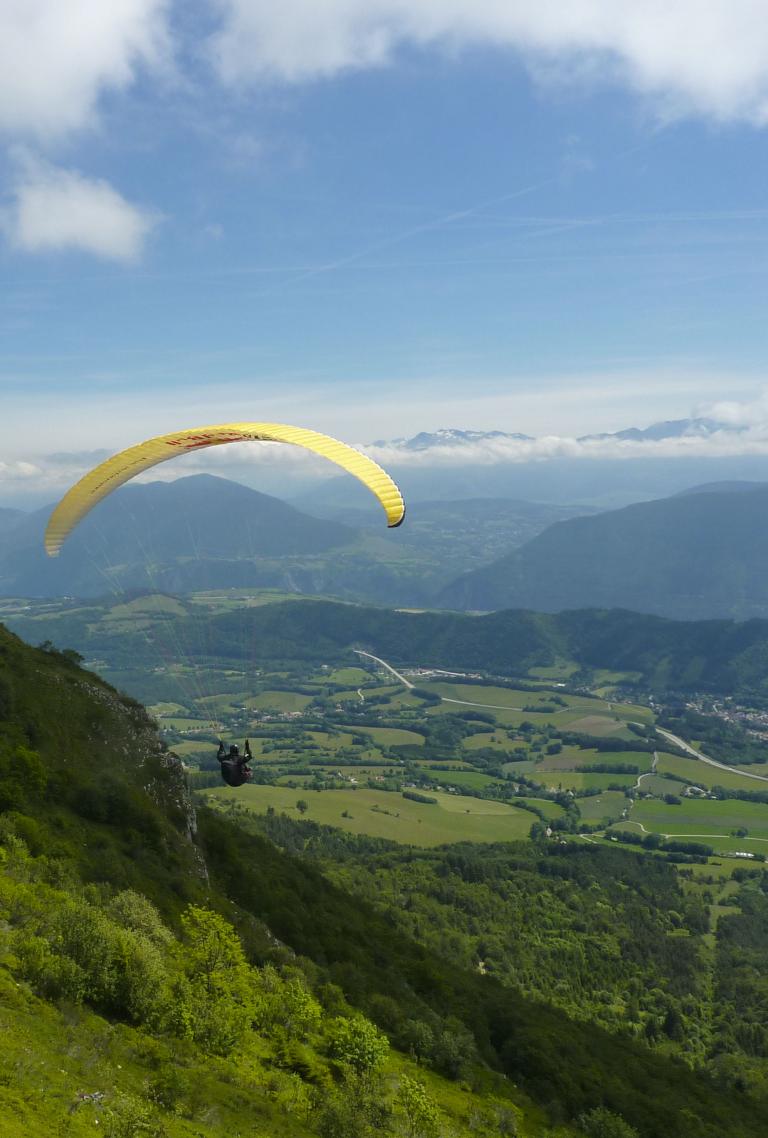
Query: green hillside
(118,921)
(693,556)
(241,628)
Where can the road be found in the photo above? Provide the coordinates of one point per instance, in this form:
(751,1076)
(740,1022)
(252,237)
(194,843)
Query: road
(444,698)
(647,774)
(705,759)
(498,707)
(384,664)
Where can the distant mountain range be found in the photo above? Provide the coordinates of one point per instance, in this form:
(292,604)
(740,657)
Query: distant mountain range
(447,437)
(693,556)
(456,438)
(670,429)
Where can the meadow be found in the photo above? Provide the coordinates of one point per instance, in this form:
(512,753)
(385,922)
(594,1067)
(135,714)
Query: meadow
(691,770)
(702,817)
(452,818)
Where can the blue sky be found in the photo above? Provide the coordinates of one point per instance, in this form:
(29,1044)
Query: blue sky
(377,218)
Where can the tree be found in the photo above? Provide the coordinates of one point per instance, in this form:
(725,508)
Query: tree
(302,806)
(358,1044)
(215,999)
(603,1123)
(422,1117)
(212,947)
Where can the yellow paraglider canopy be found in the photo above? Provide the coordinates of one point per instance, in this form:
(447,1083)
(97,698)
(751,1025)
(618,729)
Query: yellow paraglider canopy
(128,463)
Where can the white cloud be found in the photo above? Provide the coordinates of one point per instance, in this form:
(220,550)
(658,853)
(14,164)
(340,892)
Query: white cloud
(703,56)
(55,209)
(57,57)
(751,413)
(19,471)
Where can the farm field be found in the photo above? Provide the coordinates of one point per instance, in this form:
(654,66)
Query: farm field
(560,670)
(579,780)
(453,818)
(498,740)
(184,723)
(573,758)
(595,724)
(658,786)
(349,677)
(482,695)
(279,701)
(605,808)
(703,816)
(390,736)
(721,844)
(704,775)
(473,780)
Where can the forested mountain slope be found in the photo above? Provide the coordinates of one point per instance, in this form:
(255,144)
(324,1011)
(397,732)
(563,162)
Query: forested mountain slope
(721,656)
(693,556)
(99,867)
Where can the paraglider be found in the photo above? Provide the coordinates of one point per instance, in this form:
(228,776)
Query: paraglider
(234,766)
(106,477)
(122,467)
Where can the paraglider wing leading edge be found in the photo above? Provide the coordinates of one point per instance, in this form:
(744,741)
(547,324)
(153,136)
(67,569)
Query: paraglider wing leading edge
(119,469)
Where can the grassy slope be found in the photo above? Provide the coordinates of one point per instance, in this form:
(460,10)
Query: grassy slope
(115,810)
(387,815)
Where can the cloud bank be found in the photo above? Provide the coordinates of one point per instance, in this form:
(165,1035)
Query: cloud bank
(54,473)
(689,56)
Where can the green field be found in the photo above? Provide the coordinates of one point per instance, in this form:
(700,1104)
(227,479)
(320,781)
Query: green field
(605,808)
(704,775)
(349,676)
(606,676)
(578,780)
(153,605)
(482,695)
(574,758)
(279,701)
(702,817)
(594,724)
(473,780)
(560,670)
(158,709)
(498,740)
(455,818)
(330,740)
(658,786)
(721,844)
(390,736)
(183,723)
